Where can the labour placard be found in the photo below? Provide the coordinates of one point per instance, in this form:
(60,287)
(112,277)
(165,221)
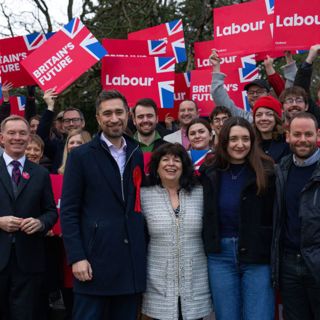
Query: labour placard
(17,105)
(296,24)
(135,48)
(172,32)
(242,28)
(234,84)
(13,51)
(136,78)
(64,57)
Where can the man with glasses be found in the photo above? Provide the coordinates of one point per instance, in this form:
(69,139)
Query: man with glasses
(294,100)
(217,118)
(255,89)
(72,119)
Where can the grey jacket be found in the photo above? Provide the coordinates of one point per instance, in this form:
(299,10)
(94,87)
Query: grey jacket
(176,262)
(221,98)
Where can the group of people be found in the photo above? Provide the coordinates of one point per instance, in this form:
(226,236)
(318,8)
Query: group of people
(179,241)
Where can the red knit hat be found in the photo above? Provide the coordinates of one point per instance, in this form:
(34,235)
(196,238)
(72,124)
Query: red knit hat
(268,102)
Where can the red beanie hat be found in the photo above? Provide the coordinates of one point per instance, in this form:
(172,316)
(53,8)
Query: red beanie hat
(268,102)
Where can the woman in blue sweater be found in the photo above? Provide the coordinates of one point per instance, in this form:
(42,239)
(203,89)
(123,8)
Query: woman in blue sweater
(239,184)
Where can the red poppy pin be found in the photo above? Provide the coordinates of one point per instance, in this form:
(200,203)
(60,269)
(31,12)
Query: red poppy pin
(25,175)
(137,179)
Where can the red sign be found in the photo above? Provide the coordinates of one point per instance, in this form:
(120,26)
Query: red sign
(17,105)
(273,54)
(56,182)
(181,87)
(153,78)
(172,32)
(13,51)
(296,24)
(64,57)
(201,85)
(242,28)
(135,48)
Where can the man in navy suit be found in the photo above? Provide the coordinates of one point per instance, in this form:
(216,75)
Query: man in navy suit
(27,213)
(103,230)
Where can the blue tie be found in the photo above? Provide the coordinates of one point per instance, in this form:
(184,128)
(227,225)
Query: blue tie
(16,173)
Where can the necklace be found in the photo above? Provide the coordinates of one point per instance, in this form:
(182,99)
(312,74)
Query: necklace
(236,176)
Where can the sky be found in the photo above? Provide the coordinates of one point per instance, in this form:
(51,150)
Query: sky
(57,9)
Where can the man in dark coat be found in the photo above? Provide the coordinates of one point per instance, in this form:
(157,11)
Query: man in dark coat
(102,227)
(296,235)
(27,213)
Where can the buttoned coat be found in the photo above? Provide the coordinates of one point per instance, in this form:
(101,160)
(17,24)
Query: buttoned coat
(176,261)
(98,220)
(34,198)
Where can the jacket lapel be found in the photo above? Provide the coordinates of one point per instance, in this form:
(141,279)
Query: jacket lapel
(5,178)
(25,177)
(110,172)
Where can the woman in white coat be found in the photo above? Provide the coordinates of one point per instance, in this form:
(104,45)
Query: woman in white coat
(177,278)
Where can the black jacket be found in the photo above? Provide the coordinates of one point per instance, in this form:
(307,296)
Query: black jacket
(255,230)
(309,212)
(53,148)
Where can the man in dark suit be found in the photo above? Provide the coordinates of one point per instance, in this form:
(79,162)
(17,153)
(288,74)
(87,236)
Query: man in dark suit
(27,212)
(102,227)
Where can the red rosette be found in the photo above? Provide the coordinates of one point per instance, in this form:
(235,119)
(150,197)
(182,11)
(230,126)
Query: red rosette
(137,180)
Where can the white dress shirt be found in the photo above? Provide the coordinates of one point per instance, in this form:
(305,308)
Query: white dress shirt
(119,154)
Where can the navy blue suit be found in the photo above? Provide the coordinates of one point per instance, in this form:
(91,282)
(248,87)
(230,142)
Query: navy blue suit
(21,252)
(99,222)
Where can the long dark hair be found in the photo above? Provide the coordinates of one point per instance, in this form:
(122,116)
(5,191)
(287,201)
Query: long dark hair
(187,179)
(256,158)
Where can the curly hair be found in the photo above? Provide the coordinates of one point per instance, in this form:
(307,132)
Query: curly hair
(187,179)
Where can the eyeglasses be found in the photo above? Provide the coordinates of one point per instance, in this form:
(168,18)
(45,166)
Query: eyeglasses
(256,92)
(73,120)
(220,120)
(297,100)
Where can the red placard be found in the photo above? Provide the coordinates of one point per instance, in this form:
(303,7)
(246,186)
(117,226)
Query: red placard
(243,28)
(154,78)
(296,24)
(56,183)
(201,84)
(171,31)
(181,87)
(17,105)
(202,51)
(13,51)
(64,57)
(135,48)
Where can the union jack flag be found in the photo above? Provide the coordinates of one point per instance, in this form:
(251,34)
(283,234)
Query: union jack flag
(166,94)
(179,50)
(93,47)
(249,70)
(270,6)
(245,101)
(187,78)
(34,40)
(157,46)
(165,64)
(198,157)
(73,27)
(174,27)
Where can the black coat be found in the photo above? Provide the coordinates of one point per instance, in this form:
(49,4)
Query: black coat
(309,211)
(34,199)
(255,229)
(99,222)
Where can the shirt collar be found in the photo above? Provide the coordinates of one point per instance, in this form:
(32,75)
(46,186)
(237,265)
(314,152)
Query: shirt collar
(111,145)
(7,159)
(315,157)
